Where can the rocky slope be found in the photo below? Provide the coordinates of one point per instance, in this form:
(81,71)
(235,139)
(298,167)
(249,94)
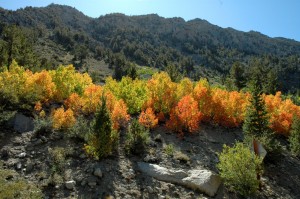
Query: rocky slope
(59,166)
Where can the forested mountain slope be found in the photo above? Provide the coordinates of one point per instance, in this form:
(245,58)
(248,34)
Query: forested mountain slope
(62,34)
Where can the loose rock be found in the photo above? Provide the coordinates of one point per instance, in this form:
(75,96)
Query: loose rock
(70,184)
(18,165)
(149,189)
(22,155)
(98,172)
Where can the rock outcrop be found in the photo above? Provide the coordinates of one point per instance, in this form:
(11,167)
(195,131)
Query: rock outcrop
(22,123)
(203,180)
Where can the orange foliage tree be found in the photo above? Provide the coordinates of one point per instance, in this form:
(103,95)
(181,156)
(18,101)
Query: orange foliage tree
(228,107)
(148,119)
(185,116)
(74,102)
(281,113)
(119,115)
(202,94)
(62,119)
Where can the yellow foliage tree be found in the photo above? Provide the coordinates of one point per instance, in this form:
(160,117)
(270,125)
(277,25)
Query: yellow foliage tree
(161,92)
(62,119)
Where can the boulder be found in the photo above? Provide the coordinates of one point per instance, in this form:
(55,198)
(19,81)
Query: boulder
(161,173)
(203,180)
(22,123)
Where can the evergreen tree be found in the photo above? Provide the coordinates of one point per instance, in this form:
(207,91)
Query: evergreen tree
(100,142)
(294,138)
(256,123)
(15,44)
(271,84)
(173,72)
(236,74)
(132,71)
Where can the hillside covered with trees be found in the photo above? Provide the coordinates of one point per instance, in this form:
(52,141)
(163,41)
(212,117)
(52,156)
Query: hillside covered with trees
(195,48)
(145,107)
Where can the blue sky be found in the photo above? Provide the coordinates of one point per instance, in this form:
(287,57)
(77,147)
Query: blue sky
(275,18)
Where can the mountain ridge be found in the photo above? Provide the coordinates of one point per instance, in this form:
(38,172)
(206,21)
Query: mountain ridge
(152,40)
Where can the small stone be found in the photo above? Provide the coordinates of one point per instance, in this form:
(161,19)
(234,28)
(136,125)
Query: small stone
(83,183)
(158,138)
(150,159)
(38,142)
(19,166)
(29,148)
(22,155)
(152,144)
(108,169)
(92,184)
(98,172)
(150,190)
(92,181)
(70,184)
(161,197)
(82,156)
(44,139)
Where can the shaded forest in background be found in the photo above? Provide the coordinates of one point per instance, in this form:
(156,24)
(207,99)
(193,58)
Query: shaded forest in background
(39,38)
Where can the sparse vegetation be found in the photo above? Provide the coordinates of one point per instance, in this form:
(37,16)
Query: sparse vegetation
(42,125)
(183,158)
(12,186)
(58,157)
(169,149)
(81,129)
(137,138)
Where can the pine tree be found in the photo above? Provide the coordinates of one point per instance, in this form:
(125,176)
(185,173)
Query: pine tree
(294,138)
(237,75)
(256,123)
(100,143)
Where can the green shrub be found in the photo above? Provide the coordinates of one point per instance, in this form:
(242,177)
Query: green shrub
(42,126)
(238,168)
(56,179)
(169,149)
(137,137)
(12,186)
(58,158)
(294,137)
(81,129)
